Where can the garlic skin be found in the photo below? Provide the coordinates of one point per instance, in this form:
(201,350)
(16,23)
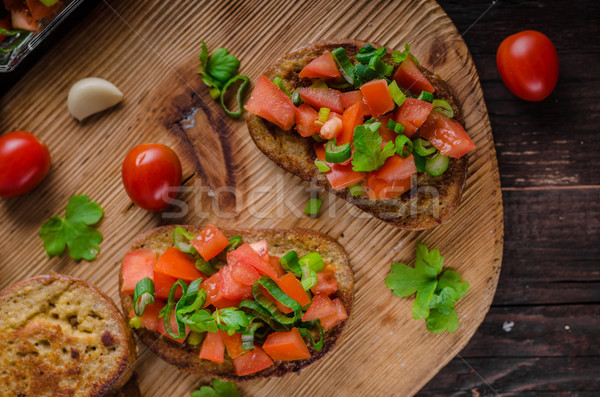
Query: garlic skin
(92,95)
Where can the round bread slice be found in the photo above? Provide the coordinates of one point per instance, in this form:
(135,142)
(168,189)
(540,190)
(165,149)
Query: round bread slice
(432,198)
(60,336)
(186,357)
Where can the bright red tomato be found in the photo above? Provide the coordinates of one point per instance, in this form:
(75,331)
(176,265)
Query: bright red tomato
(150,173)
(24,163)
(528,64)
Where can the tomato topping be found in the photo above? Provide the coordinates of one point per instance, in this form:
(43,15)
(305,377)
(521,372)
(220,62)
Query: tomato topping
(233,344)
(320,307)
(230,288)
(262,249)
(351,97)
(137,265)
(274,261)
(412,114)
(352,117)
(213,296)
(150,317)
(306,117)
(286,346)
(528,64)
(176,264)
(270,103)
(22,19)
(378,97)
(409,76)
(210,242)
(292,287)
(160,327)
(376,188)
(253,361)
(334,319)
(447,135)
(326,283)
(245,254)
(242,273)
(162,286)
(396,168)
(387,135)
(38,10)
(340,176)
(213,348)
(322,98)
(4,24)
(321,67)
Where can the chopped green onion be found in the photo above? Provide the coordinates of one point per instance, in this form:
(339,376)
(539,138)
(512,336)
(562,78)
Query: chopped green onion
(181,240)
(193,299)
(305,332)
(419,162)
(344,65)
(404,146)
(204,266)
(356,190)
(279,83)
(248,335)
(437,165)
(340,86)
(245,80)
(17,41)
(143,295)
(318,84)
(324,114)
(234,242)
(280,297)
(425,96)
(378,65)
(423,147)
(260,312)
(309,277)
(394,126)
(135,322)
(289,263)
(214,93)
(397,94)
(195,338)
(364,74)
(322,166)
(167,310)
(337,154)
(313,206)
(368,52)
(317,138)
(296,100)
(443,107)
(314,261)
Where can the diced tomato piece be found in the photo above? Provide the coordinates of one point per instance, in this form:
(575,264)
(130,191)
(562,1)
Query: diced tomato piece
(340,315)
(292,287)
(321,67)
(447,135)
(262,249)
(162,286)
(38,10)
(351,97)
(137,265)
(14,5)
(412,114)
(376,188)
(387,135)
(322,98)
(396,168)
(274,261)
(352,117)
(230,288)
(160,327)
(213,296)
(23,20)
(332,127)
(210,242)
(326,283)
(150,317)
(306,117)
(176,264)
(245,254)
(378,97)
(233,344)
(269,102)
(320,307)
(409,76)
(4,24)
(213,348)
(243,274)
(340,176)
(253,361)
(286,346)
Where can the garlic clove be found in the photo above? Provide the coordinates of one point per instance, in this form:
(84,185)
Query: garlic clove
(92,95)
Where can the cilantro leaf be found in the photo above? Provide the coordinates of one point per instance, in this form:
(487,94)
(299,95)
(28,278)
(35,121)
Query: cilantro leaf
(219,389)
(217,69)
(368,155)
(451,279)
(202,321)
(431,258)
(230,319)
(439,322)
(420,308)
(74,231)
(400,56)
(368,52)
(404,280)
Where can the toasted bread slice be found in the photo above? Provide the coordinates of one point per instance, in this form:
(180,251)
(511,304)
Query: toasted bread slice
(429,203)
(185,357)
(61,336)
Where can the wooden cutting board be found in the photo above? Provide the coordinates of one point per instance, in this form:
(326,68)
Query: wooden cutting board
(149,50)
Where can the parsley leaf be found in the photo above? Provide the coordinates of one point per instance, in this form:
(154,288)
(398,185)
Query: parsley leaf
(219,68)
(439,322)
(74,230)
(230,319)
(400,56)
(368,155)
(219,389)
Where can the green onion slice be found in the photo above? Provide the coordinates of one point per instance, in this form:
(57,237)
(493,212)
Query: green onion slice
(419,162)
(443,107)
(339,86)
(313,206)
(204,266)
(378,65)
(280,296)
(356,190)
(17,41)
(423,147)
(309,276)
(324,114)
(364,74)
(248,335)
(314,261)
(322,166)
(296,99)
(344,65)
(425,96)
(396,93)
(437,165)
(234,242)
(289,263)
(404,146)
(166,311)
(195,338)
(304,329)
(319,84)
(193,299)
(394,126)
(143,295)
(245,80)
(214,93)
(181,240)
(135,322)
(279,83)
(337,154)
(260,312)
(369,52)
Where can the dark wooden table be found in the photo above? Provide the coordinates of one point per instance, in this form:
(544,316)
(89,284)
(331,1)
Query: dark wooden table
(542,333)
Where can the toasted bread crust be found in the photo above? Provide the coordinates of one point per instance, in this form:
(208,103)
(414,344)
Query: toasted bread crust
(60,335)
(429,203)
(185,357)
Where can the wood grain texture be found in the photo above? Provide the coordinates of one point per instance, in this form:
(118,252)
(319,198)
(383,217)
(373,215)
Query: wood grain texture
(383,350)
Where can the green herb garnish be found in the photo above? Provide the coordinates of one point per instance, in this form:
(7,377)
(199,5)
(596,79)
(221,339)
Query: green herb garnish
(368,155)
(219,388)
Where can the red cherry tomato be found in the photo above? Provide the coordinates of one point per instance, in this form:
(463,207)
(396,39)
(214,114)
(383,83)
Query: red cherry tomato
(150,173)
(24,163)
(528,64)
